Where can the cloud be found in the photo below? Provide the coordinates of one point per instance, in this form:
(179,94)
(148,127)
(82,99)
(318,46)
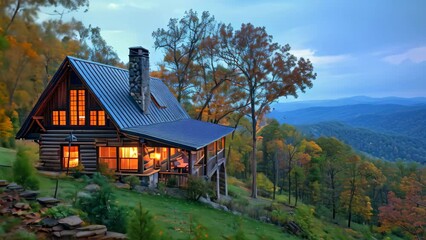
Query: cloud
(415,55)
(113,6)
(320,60)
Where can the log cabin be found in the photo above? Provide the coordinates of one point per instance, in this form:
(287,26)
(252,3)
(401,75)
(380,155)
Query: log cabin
(93,115)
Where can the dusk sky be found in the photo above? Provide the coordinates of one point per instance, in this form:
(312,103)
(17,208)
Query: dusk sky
(373,48)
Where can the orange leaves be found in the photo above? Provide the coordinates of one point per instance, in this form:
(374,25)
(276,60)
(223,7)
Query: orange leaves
(408,212)
(25,47)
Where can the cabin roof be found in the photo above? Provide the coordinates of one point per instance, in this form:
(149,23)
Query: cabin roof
(187,133)
(111,86)
(166,122)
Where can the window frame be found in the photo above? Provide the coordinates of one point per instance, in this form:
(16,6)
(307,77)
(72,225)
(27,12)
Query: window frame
(120,159)
(100,158)
(65,159)
(95,119)
(77,116)
(61,117)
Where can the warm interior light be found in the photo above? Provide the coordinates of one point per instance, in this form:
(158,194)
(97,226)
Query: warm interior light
(157,156)
(72,153)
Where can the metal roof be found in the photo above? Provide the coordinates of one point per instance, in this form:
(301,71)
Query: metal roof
(111,86)
(168,123)
(186,133)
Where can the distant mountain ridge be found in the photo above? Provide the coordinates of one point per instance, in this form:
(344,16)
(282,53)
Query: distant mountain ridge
(389,128)
(290,106)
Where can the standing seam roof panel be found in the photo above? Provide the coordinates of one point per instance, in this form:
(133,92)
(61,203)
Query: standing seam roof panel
(110,85)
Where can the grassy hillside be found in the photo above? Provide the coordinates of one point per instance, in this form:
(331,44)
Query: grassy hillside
(7,156)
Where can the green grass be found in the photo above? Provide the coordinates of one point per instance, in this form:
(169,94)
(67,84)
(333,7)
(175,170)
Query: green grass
(172,216)
(7,156)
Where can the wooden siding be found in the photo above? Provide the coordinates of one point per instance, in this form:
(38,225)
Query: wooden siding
(52,141)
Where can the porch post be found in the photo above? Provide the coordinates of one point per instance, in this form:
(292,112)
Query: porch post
(218,183)
(140,156)
(189,162)
(205,162)
(225,178)
(168,159)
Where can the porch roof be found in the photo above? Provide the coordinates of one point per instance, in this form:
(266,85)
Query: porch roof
(186,133)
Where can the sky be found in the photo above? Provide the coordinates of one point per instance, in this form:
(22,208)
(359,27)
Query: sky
(363,47)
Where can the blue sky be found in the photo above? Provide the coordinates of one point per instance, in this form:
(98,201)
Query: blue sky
(373,48)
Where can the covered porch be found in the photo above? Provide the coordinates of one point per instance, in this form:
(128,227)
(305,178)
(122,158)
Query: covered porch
(174,150)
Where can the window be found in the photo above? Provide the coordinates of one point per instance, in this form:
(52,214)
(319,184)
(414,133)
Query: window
(78,107)
(220,144)
(70,155)
(59,118)
(128,158)
(211,150)
(97,118)
(108,156)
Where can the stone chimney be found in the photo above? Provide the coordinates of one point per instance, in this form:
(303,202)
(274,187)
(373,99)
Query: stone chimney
(139,77)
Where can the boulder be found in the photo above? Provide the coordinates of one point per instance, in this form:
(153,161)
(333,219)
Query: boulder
(20,205)
(92,188)
(113,236)
(71,222)
(91,233)
(14,187)
(49,222)
(58,228)
(122,185)
(4,183)
(28,194)
(48,201)
(67,233)
(91,228)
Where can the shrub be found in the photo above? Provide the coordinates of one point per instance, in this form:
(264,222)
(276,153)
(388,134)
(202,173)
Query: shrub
(264,185)
(304,216)
(197,187)
(77,172)
(133,181)
(171,181)
(101,208)
(23,170)
(140,225)
(106,171)
(62,211)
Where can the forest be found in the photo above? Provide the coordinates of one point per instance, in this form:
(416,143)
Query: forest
(228,76)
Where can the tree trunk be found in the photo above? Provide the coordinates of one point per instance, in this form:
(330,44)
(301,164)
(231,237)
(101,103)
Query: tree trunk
(350,204)
(296,189)
(289,181)
(275,175)
(253,157)
(333,195)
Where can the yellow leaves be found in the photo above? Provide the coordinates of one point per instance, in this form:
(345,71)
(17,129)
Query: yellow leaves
(25,47)
(6,127)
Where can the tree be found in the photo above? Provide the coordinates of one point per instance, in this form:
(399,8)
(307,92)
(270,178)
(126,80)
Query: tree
(180,42)
(407,212)
(268,71)
(333,155)
(141,226)
(293,139)
(360,175)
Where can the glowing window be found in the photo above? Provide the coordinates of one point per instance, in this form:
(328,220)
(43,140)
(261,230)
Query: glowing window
(128,158)
(59,118)
(71,156)
(108,156)
(97,118)
(78,107)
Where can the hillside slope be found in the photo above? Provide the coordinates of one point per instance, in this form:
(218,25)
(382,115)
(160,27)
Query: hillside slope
(380,145)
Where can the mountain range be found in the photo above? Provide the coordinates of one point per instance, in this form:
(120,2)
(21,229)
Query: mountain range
(389,128)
